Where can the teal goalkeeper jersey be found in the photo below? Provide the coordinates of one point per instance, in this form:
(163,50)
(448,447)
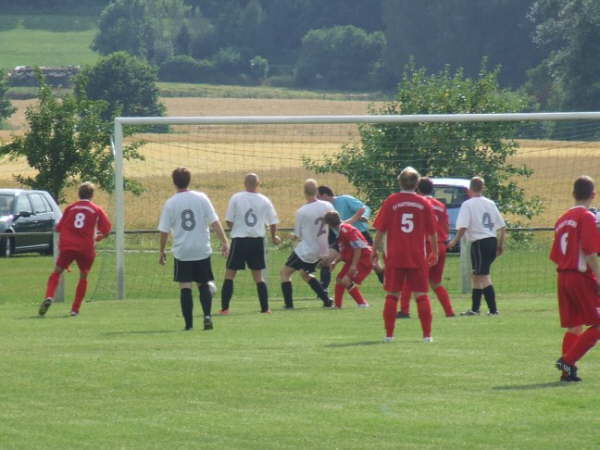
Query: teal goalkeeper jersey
(346,206)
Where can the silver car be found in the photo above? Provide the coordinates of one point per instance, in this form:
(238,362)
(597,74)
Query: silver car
(452,192)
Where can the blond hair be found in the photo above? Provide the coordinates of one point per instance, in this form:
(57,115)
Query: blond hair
(408,178)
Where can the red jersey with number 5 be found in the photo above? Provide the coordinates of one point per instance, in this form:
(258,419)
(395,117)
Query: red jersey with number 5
(78,226)
(407,219)
(575,235)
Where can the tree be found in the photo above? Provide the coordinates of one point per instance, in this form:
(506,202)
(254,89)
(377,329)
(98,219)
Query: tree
(6,108)
(339,57)
(126,83)
(439,149)
(67,141)
(569,29)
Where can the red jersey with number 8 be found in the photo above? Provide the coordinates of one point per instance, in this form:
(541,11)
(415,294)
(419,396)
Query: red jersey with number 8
(575,235)
(407,219)
(79,224)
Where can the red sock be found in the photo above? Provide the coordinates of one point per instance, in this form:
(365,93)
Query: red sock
(357,295)
(405,300)
(424,307)
(53,280)
(339,294)
(389,314)
(444,299)
(79,294)
(586,341)
(569,340)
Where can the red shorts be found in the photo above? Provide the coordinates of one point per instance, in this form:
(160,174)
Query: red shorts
(363,271)
(578,300)
(395,278)
(436,272)
(84,260)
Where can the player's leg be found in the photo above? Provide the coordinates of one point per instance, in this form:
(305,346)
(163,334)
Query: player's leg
(355,281)
(235,261)
(435,281)
(84,262)
(394,281)
(255,258)
(286,281)
(306,272)
(488,255)
(476,292)
(325,270)
(419,284)
(342,282)
(404,312)
(262,291)
(187,304)
(63,261)
(203,275)
(227,290)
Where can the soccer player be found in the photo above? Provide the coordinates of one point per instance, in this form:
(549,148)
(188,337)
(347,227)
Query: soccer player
(425,188)
(187,215)
(574,251)
(310,228)
(482,224)
(407,220)
(356,253)
(248,214)
(82,225)
(347,206)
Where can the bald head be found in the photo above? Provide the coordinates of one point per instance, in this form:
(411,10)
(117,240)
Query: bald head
(251,182)
(408,178)
(310,188)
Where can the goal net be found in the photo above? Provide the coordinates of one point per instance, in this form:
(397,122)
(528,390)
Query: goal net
(284,151)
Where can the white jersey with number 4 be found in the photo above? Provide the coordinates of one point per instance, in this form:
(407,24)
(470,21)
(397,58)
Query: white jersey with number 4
(250,213)
(312,231)
(187,216)
(481,218)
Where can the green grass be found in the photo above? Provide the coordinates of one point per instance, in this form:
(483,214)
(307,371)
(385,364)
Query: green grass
(123,375)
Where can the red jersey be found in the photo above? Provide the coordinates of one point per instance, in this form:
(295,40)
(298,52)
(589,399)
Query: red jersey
(407,218)
(349,238)
(575,235)
(78,226)
(441,213)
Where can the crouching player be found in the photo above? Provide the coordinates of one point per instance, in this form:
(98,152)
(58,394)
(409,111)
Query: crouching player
(83,224)
(576,244)
(356,253)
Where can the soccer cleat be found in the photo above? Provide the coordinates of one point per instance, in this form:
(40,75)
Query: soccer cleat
(44,306)
(493,313)
(470,313)
(223,312)
(363,305)
(268,311)
(290,307)
(388,339)
(569,372)
(328,304)
(188,328)
(427,339)
(208,324)
(402,315)
(451,315)
(73,313)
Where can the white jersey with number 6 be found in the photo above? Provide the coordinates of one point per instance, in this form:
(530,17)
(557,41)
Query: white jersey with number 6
(312,231)
(481,218)
(187,216)
(250,213)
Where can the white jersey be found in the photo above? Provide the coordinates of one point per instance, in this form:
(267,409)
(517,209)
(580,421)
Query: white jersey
(250,213)
(312,231)
(481,218)
(187,216)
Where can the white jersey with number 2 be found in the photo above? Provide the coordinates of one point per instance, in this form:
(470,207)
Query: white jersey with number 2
(312,231)
(250,213)
(187,216)
(481,218)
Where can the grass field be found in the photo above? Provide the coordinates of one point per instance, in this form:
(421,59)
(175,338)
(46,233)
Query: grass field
(123,375)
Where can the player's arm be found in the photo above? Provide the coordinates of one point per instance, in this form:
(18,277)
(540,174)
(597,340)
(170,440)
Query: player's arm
(274,238)
(592,261)
(435,251)
(459,235)
(501,240)
(377,246)
(162,259)
(357,216)
(104,225)
(218,229)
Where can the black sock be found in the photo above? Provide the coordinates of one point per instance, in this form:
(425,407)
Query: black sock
(321,293)
(380,276)
(476,299)
(226,293)
(286,289)
(490,298)
(325,277)
(187,307)
(205,299)
(263,296)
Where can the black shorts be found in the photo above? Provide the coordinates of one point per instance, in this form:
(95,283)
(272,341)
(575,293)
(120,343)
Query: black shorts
(483,254)
(295,262)
(246,250)
(188,271)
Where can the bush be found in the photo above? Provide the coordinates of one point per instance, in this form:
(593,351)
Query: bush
(180,68)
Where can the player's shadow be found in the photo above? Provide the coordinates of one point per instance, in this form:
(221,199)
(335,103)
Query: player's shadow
(528,387)
(352,344)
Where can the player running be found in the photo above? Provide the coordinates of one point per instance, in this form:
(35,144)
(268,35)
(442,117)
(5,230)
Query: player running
(187,215)
(248,214)
(574,251)
(436,272)
(407,220)
(311,229)
(356,253)
(82,224)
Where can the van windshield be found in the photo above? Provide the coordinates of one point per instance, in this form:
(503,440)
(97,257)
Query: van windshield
(6,204)
(451,196)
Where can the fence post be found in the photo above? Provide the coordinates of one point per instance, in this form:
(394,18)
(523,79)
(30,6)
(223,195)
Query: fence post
(59,296)
(465,266)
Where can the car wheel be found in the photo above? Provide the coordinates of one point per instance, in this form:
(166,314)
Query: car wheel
(7,247)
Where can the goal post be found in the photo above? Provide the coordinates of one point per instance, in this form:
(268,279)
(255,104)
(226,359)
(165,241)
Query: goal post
(321,120)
